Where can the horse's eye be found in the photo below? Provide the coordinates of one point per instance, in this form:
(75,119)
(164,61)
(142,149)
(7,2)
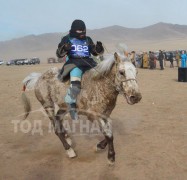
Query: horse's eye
(121,73)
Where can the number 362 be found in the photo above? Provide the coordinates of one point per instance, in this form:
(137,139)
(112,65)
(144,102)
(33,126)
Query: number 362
(79,48)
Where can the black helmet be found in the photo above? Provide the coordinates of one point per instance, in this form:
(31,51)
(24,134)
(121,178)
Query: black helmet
(78,25)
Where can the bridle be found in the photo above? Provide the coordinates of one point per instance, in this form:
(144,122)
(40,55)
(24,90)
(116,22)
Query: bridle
(119,84)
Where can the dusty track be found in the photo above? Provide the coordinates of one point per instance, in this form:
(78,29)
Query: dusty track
(150,137)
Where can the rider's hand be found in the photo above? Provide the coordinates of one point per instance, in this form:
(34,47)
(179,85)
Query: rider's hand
(67,46)
(99,43)
(99,47)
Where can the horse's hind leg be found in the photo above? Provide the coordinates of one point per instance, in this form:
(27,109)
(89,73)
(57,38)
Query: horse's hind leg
(101,145)
(106,127)
(62,134)
(59,129)
(59,117)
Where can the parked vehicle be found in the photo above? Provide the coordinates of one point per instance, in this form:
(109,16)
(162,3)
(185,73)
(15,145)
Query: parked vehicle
(34,61)
(37,60)
(1,62)
(26,61)
(51,60)
(11,62)
(20,61)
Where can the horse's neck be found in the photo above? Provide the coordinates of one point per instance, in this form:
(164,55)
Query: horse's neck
(103,87)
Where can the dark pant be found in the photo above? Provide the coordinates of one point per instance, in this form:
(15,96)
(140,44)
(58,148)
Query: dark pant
(161,64)
(152,64)
(171,61)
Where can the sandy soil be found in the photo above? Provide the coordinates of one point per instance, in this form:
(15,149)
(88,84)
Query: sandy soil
(150,137)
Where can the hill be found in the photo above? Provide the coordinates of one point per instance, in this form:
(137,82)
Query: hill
(158,36)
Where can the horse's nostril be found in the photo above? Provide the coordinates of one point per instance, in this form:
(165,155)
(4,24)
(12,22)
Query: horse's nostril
(132,98)
(136,98)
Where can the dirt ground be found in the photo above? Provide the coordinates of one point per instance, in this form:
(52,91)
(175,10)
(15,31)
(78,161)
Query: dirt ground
(150,138)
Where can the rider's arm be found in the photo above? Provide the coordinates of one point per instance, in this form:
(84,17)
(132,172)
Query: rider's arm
(95,49)
(63,47)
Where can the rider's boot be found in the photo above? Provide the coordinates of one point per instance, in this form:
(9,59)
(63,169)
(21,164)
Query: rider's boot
(71,98)
(73,111)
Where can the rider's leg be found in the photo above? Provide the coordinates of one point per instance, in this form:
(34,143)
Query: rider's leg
(73,91)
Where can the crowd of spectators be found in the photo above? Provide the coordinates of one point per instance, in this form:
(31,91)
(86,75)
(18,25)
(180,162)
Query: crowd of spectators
(148,60)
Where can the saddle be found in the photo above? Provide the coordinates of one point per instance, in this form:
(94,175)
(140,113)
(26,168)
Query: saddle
(64,73)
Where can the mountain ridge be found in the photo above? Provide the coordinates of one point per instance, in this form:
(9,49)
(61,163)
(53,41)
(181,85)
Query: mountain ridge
(154,37)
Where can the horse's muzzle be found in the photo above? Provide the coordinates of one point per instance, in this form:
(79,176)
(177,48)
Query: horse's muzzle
(133,98)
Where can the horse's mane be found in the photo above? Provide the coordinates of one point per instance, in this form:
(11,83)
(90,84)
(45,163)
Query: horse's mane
(105,66)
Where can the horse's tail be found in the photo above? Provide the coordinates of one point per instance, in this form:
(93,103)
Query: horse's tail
(28,84)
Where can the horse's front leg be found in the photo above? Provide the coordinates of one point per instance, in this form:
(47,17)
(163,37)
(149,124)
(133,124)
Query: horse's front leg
(106,128)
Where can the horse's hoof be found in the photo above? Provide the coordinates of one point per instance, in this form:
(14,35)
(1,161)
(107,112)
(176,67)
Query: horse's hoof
(69,141)
(111,163)
(71,153)
(98,149)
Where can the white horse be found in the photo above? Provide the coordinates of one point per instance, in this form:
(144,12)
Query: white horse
(113,76)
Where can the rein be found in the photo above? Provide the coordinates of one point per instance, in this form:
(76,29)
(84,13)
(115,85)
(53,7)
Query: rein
(125,80)
(118,87)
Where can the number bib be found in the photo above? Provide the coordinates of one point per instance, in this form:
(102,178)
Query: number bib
(79,48)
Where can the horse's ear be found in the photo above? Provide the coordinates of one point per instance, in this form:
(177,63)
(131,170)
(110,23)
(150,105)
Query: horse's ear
(126,53)
(116,57)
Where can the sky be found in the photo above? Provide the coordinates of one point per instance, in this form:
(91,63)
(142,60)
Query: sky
(20,18)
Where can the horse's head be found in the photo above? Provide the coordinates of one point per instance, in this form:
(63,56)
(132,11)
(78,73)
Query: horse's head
(125,80)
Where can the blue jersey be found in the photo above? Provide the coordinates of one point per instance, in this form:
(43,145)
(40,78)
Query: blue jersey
(79,48)
(183,57)
(183,60)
